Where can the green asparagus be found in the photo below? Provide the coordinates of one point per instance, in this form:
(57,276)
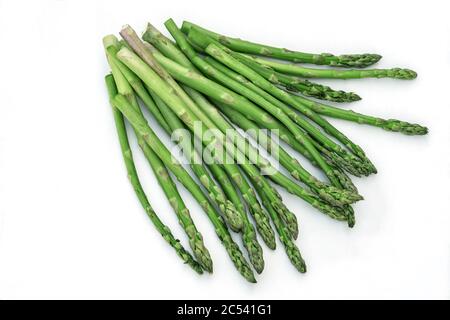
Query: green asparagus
(217,96)
(346,60)
(291,249)
(291,68)
(386,124)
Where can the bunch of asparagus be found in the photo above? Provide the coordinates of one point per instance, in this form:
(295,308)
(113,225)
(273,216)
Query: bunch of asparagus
(207,81)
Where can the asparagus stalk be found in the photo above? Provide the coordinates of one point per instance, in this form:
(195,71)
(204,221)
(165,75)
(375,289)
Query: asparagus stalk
(195,238)
(386,124)
(251,244)
(152,140)
(294,69)
(296,84)
(261,219)
(134,180)
(249,237)
(346,60)
(177,203)
(291,249)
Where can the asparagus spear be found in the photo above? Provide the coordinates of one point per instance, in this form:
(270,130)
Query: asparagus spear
(195,238)
(346,60)
(177,203)
(134,180)
(291,68)
(296,84)
(261,219)
(386,124)
(291,249)
(152,140)
(248,234)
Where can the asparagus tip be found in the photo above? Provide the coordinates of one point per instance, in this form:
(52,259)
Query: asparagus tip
(357,60)
(254,250)
(402,74)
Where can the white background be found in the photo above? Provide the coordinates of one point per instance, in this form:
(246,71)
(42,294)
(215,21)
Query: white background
(71,227)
